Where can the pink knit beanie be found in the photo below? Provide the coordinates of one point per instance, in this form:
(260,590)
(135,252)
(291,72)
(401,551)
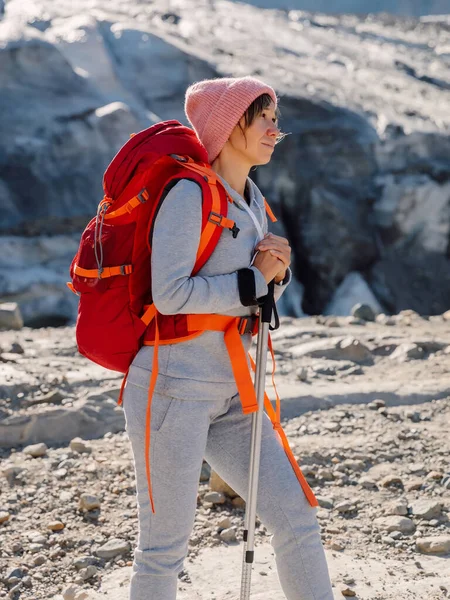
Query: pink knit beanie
(215,106)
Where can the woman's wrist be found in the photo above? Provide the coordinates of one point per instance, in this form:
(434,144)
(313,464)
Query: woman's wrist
(280,278)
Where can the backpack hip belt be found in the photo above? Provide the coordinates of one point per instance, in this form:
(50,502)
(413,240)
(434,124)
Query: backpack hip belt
(233,328)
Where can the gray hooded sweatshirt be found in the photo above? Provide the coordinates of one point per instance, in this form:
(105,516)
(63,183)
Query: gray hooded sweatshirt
(200,368)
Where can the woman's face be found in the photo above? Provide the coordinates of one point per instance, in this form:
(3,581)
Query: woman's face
(258,144)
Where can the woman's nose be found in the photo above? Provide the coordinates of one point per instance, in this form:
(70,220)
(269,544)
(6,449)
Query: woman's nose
(273,131)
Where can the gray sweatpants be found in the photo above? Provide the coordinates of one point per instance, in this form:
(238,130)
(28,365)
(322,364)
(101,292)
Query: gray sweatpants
(183,432)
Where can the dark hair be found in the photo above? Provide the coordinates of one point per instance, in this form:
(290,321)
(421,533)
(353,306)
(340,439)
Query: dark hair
(256,108)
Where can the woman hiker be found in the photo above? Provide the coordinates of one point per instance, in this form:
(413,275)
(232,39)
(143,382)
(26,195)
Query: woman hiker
(196,409)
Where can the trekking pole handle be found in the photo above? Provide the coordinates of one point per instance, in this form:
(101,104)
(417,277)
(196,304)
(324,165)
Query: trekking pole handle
(267,305)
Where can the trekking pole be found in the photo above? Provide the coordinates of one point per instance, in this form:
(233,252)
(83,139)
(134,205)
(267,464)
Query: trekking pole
(265,318)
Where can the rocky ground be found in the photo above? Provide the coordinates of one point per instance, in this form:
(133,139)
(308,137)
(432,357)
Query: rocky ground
(377,463)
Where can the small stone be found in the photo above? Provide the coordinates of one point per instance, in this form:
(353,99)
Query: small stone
(16,547)
(88,572)
(312,472)
(16,573)
(398,507)
(217,484)
(387,539)
(434,523)
(15,590)
(12,472)
(228,535)
(205,472)
(391,481)
(81,562)
(302,374)
(53,397)
(325,502)
(39,560)
(224,523)
(238,502)
(385,319)
(73,592)
(36,450)
(88,502)
(426,509)
(16,348)
(215,497)
(36,537)
(367,483)
(60,473)
(407,351)
(415,483)
(55,526)
(434,545)
(331,426)
(4,516)
(395,523)
(113,548)
(345,506)
(363,311)
(338,547)
(326,474)
(413,416)
(348,592)
(79,445)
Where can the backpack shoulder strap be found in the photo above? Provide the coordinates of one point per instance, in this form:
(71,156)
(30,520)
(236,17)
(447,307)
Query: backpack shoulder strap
(214,209)
(269,211)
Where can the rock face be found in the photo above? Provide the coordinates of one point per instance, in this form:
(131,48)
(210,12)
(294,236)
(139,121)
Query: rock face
(411,8)
(62,134)
(360,184)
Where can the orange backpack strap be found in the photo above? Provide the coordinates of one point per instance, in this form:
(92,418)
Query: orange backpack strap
(214,202)
(216,213)
(272,217)
(231,326)
(274,416)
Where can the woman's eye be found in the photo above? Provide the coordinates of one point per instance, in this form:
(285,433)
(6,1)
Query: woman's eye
(274,119)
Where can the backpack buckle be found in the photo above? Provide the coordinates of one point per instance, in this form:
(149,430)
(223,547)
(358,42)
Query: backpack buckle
(235,230)
(179,158)
(142,196)
(247,324)
(217,218)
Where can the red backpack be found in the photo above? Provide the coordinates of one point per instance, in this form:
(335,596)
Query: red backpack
(111,272)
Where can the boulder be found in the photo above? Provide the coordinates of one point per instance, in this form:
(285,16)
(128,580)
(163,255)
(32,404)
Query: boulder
(439,544)
(402,279)
(395,523)
(10,316)
(89,417)
(342,348)
(52,133)
(352,290)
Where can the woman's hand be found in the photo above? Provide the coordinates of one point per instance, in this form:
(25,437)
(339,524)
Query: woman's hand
(280,249)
